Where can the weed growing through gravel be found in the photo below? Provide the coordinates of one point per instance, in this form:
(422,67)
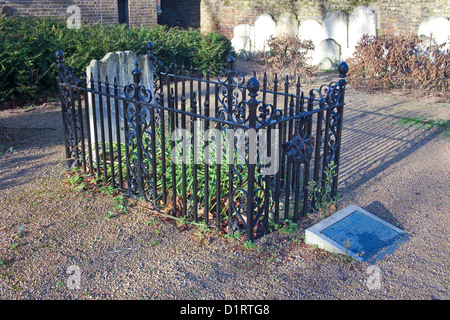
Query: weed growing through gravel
(287,226)
(5,149)
(109,215)
(249,245)
(321,195)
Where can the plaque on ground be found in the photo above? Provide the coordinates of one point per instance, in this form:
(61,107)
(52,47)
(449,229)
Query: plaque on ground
(356,232)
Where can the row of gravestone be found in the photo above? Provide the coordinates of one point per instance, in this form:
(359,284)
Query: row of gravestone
(334,37)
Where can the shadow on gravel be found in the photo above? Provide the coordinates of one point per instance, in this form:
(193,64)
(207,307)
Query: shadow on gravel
(31,144)
(377,208)
(372,141)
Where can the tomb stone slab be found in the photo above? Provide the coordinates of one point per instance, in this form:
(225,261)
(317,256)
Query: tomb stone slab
(287,25)
(265,27)
(114,66)
(358,233)
(361,21)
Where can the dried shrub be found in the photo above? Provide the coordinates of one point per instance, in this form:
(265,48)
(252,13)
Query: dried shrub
(288,55)
(388,61)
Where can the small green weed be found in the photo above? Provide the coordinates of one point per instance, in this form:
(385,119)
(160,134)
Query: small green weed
(151,222)
(235,235)
(80,187)
(109,215)
(60,284)
(249,245)
(109,190)
(119,205)
(5,149)
(287,226)
(75,180)
(321,195)
(20,232)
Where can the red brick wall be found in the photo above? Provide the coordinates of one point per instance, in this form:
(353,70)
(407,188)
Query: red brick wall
(395,16)
(141,12)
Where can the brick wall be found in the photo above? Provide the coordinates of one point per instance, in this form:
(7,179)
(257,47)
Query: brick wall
(141,12)
(395,16)
(181,13)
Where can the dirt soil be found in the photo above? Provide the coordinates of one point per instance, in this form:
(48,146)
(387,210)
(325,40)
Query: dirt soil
(398,172)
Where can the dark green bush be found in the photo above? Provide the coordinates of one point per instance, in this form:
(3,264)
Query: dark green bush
(27,46)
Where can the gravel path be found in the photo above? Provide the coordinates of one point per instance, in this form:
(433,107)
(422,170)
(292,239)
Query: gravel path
(400,173)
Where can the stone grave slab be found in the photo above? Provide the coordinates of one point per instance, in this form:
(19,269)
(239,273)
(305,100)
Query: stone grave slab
(265,27)
(358,233)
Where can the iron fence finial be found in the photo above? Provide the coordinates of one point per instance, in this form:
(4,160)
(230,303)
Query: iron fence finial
(253,87)
(343,69)
(231,61)
(137,74)
(59,55)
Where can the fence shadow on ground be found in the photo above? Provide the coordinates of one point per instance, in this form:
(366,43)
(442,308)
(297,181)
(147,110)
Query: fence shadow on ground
(372,141)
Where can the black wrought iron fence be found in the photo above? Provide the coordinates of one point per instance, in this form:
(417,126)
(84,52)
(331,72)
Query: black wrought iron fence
(225,151)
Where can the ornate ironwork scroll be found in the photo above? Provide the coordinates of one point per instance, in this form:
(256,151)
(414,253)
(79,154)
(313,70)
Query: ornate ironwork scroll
(299,149)
(140,137)
(230,91)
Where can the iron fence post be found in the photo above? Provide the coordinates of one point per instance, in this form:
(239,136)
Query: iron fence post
(343,70)
(253,88)
(59,55)
(137,87)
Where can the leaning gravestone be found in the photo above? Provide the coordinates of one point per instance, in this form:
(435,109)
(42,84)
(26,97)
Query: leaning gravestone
(312,30)
(361,21)
(115,66)
(335,27)
(287,25)
(436,28)
(243,40)
(327,54)
(265,27)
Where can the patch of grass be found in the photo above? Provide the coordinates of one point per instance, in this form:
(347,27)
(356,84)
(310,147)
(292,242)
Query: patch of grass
(442,126)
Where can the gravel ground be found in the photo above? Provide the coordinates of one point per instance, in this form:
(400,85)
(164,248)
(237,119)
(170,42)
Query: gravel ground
(400,173)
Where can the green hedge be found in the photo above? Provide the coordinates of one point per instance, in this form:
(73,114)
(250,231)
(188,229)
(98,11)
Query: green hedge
(27,47)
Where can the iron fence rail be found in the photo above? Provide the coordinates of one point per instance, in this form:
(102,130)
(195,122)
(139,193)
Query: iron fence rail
(130,138)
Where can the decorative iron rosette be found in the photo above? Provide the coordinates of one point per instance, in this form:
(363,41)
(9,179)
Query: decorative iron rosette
(299,149)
